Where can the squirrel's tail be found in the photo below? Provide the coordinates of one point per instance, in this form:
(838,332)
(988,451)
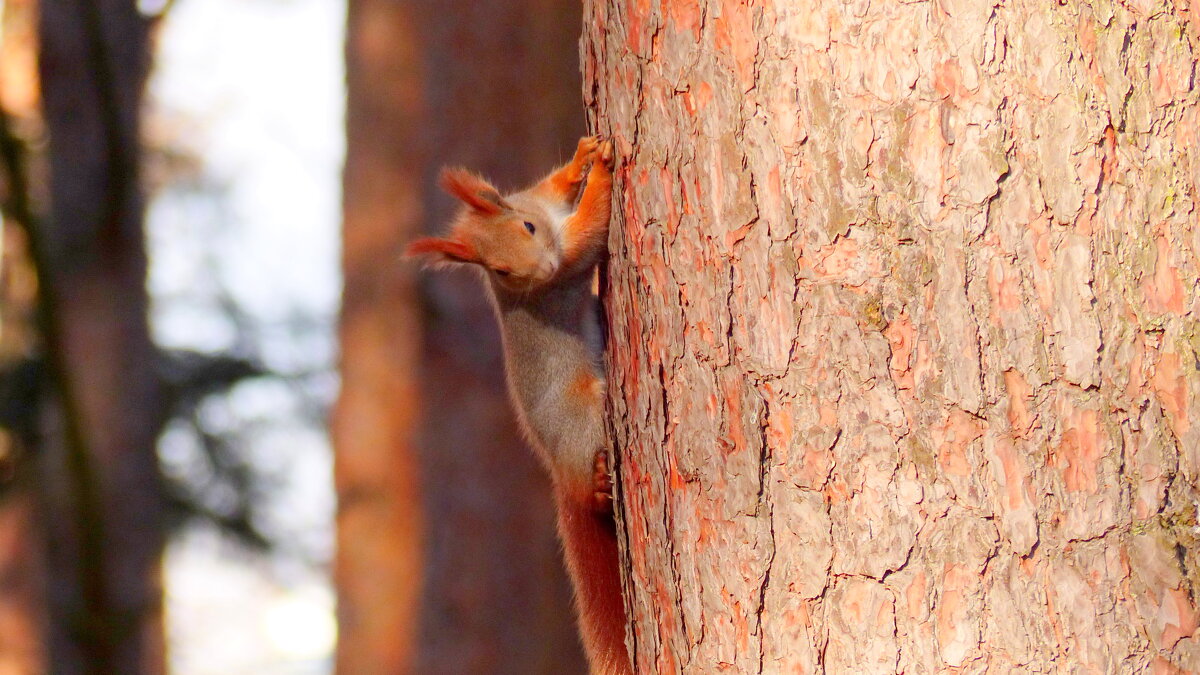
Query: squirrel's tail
(590,544)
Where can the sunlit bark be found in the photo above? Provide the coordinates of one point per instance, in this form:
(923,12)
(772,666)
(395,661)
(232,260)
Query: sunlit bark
(904,331)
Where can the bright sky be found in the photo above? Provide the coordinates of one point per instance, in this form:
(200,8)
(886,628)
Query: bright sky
(254,88)
(258,84)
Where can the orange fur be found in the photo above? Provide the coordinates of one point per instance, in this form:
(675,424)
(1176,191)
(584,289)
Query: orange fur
(586,387)
(593,559)
(474,191)
(563,184)
(449,248)
(587,229)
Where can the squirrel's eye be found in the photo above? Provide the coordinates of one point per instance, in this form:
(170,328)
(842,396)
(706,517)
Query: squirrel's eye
(529,226)
(503,273)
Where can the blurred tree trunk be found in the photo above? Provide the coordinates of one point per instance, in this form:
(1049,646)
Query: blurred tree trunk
(905,323)
(101,500)
(447,559)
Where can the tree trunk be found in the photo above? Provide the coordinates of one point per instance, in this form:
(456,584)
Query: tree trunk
(102,502)
(904,329)
(447,560)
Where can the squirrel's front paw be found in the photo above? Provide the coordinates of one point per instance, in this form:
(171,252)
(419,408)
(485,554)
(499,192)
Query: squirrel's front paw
(585,152)
(586,148)
(602,160)
(602,483)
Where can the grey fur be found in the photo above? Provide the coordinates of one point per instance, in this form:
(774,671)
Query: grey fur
(547,334)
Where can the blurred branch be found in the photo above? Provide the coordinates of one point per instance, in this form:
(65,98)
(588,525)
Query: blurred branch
(238,524)
(20,378)
(16,202)
(189,376)
(19,393)
(231,471)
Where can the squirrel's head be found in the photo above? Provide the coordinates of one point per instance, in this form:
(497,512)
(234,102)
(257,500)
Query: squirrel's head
(516,246)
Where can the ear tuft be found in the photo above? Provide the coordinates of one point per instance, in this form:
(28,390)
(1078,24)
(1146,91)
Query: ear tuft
(443,250)
(476,192)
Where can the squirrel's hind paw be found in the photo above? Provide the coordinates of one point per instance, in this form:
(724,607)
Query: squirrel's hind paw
(602,483)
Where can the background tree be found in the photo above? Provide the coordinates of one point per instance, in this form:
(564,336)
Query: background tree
(84,392)
(903,332)
(447,560)
(100,480)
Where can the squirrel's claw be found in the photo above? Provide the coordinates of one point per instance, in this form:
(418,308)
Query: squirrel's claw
(605,153)
(586,148)
(602,483)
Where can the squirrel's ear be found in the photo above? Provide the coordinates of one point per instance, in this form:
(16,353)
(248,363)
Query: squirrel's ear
(443,250)
(474,191)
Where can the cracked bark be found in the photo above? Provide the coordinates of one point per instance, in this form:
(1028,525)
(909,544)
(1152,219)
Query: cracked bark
(904,332)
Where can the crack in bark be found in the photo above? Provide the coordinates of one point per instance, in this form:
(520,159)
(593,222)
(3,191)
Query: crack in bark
(668,513)
(764,501)
(762,594)
(730,314)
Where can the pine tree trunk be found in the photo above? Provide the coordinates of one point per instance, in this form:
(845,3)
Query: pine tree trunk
(448,560)
(904,332)
(101,498)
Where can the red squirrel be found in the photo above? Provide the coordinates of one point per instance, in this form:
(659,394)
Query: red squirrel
(538,260)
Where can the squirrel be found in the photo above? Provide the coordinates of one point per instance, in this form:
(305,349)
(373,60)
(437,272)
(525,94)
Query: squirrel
(538,260)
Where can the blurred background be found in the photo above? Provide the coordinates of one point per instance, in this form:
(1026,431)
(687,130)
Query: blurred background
(238,434)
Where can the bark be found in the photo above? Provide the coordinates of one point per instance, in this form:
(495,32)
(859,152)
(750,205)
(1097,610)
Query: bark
(101,503)
(904,329)
(447,559)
